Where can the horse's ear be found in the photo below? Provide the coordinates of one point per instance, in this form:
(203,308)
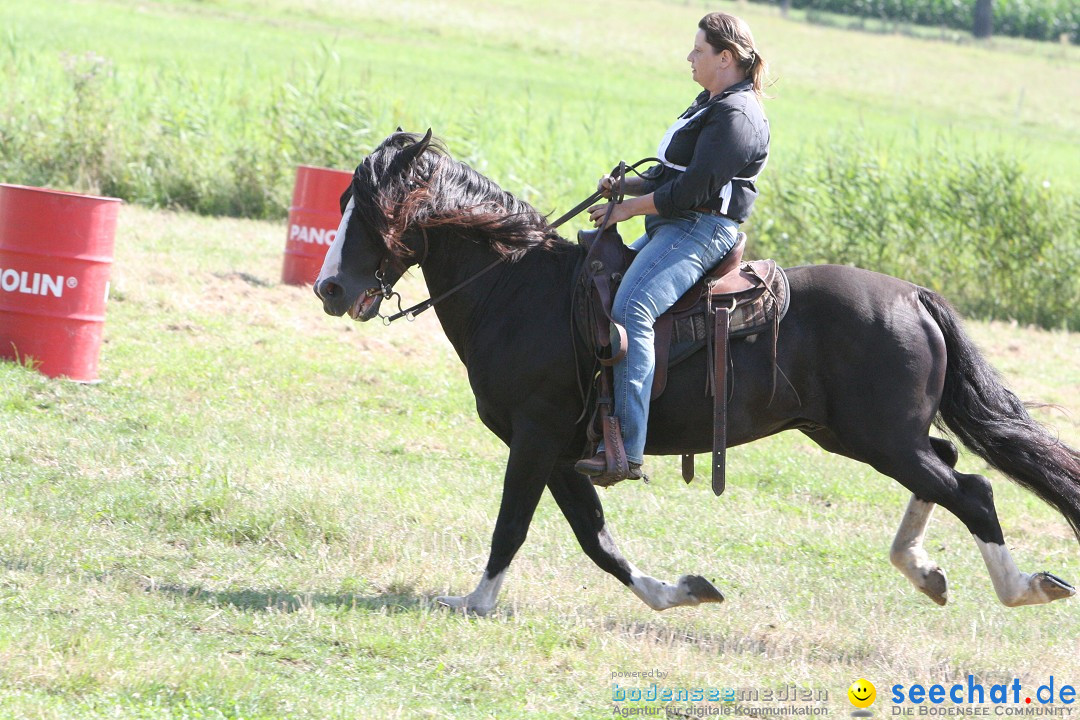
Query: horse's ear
(408,155)
(423,143)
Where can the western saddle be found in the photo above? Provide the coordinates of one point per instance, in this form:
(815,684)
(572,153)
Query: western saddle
(735,299)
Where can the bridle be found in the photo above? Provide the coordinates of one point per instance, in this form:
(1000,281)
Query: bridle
(618,174)
(410,314)
(387,292)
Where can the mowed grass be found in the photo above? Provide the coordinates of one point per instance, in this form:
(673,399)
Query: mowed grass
(249,516)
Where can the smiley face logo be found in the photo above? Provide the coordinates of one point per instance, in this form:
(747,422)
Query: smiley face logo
(862,693)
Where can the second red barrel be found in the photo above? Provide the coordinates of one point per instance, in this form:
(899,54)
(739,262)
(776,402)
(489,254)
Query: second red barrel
(313,221)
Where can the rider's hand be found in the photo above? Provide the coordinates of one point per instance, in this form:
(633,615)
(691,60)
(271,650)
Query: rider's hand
(605,185)
(619,213)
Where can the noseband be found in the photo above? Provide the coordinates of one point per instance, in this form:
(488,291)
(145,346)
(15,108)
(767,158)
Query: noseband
(387,291)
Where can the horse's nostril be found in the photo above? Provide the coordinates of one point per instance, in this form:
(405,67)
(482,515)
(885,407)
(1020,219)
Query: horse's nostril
(328,290)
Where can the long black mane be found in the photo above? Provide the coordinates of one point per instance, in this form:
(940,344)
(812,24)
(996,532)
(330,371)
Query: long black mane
(396,193)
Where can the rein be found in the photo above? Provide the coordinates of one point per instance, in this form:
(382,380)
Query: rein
(618,174)
(412,312)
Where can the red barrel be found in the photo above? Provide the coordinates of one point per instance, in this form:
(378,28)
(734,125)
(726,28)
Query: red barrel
(56,251)
(313,222)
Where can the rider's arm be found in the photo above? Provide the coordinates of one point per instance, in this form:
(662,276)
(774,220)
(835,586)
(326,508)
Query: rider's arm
(634,186)
(625,210)
(631,186)
(643,205)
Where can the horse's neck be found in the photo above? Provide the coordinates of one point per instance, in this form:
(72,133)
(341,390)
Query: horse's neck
(450,262)
(453,260)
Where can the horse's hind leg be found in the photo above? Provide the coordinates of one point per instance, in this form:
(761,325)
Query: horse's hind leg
(945,450)
(907,553)
(909,557)
(580,504)
(971,499)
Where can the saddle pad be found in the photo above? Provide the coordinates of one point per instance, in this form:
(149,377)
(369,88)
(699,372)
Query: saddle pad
(690,330)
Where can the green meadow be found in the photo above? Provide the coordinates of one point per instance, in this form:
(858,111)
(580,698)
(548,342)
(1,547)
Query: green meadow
(898,152)
(544,94)
(249,516)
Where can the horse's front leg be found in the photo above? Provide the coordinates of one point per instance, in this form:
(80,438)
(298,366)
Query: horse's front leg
(527,469)
(580,504)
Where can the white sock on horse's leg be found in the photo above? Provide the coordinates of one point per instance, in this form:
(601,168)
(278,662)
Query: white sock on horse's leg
(1020,588)
(909,556)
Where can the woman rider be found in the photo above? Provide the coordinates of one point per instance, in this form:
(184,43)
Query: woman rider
(693,204)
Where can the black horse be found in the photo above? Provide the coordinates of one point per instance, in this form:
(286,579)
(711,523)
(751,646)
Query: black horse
(870,361)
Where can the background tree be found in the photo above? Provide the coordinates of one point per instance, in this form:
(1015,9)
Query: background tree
(984,18)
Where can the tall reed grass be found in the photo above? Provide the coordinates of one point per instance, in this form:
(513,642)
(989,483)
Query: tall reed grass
(996,240)
(172,140)
(976,225)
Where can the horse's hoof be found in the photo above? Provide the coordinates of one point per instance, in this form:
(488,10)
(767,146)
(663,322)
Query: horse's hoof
(460,603)
(700,589)
(452,602)
(1053,587)
(935,586)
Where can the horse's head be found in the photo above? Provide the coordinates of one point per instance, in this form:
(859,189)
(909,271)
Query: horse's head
(407,187)
(377,239)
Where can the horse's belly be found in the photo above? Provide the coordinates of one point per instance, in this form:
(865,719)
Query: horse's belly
(681,420)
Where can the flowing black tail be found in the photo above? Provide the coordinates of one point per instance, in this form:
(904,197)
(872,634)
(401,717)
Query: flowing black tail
(991,421)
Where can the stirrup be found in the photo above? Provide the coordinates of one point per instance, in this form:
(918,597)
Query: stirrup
(633,472)
(607,479)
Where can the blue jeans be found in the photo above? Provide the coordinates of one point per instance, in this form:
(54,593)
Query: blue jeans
(672,255)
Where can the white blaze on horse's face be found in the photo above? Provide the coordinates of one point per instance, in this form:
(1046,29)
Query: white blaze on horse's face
(332,261)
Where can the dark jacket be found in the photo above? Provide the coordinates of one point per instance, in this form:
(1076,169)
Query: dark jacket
(712,156)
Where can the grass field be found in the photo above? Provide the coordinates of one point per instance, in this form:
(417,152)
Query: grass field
(907,150)
(544,95)
(248,516)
